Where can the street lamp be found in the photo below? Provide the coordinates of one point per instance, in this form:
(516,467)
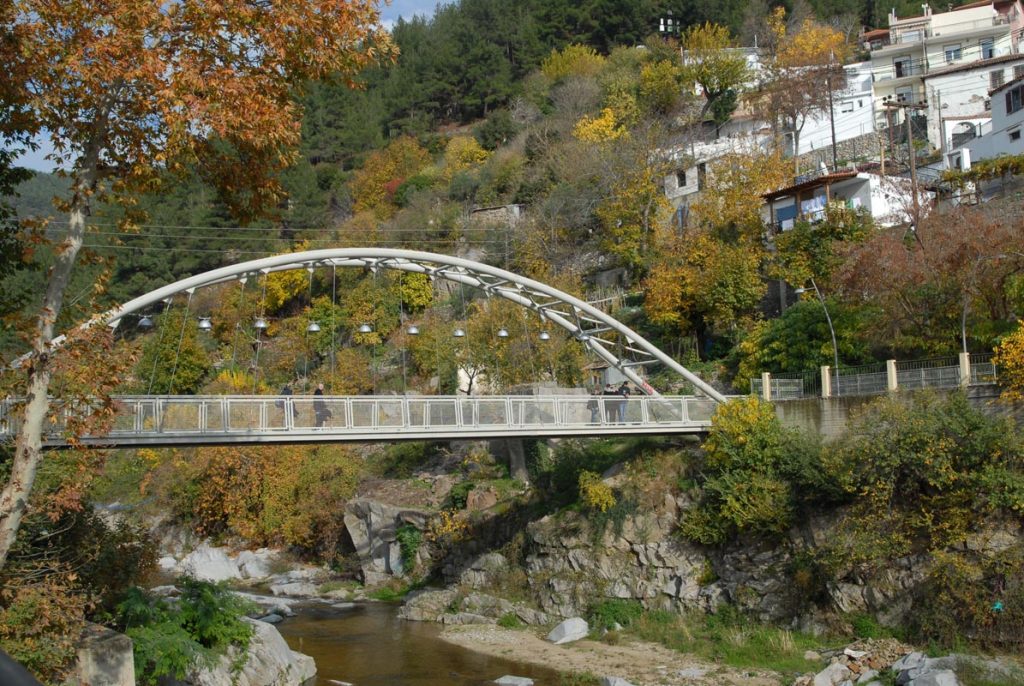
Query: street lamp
(828,318)
(204,324)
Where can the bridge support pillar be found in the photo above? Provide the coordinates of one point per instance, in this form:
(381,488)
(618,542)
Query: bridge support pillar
(516,452)
(766,386)
(892,379)
(826,381)
(965,369)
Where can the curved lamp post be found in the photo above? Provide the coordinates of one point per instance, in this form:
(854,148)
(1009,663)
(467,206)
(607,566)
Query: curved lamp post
(828,318)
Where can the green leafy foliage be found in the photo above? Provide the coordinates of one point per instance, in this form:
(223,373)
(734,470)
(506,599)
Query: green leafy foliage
(755,475)
(921,472)
(173,360)
(173,636)
(607,613)
(409,539)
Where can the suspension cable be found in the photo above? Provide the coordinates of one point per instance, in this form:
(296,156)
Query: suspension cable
(181,337)
(259,342)
(159,345)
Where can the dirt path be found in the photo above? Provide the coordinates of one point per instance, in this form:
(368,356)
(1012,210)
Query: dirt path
(643,664)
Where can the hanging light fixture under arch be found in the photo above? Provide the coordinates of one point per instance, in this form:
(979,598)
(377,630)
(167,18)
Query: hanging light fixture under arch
(205,324)
(313,327)
(365,328)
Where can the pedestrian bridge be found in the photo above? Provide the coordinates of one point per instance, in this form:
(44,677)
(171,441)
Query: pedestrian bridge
(153,421)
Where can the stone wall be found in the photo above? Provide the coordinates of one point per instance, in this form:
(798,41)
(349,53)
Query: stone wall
(829,416)
(858,148)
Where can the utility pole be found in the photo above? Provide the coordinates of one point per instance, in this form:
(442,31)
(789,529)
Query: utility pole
(907,107)
(832,114)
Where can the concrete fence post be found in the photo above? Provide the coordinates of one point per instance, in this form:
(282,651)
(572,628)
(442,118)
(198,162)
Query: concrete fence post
(891,377)
(826,381)
(766,386)
(965,369)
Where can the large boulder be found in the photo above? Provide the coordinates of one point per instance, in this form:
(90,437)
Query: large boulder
(836,673)
(208,563)
(255,564)
(427,606)
(572,629)
(269,662)
(105,657)
(943,677)
(373,527)
(482,571)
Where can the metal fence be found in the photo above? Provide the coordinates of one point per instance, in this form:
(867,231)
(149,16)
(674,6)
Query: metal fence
(873,379)
(208,419)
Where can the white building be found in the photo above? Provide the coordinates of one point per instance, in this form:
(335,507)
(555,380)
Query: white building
(1004,136)
(887,199)
(852,109)
(958,97)
(921,58)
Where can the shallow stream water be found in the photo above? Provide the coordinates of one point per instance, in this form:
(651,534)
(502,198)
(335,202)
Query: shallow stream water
(370,646)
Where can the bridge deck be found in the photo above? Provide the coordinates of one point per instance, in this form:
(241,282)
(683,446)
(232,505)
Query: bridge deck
(150,421)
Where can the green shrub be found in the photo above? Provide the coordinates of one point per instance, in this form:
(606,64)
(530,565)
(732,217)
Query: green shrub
(608,613)
(509,620)
(409,539)
(41,617)
(459,494)
(193,630)
(923,470)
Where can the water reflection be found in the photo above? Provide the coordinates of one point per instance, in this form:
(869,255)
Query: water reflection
(370,646)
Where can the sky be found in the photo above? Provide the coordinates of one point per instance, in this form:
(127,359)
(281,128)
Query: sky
(389,14)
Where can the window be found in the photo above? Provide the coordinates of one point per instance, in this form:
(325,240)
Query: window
(953,52)
(904,94)
(681,179)
(995,78)
(1018,71)
(901,67)
(846,106)
(1014,135)
(1014,98)
(988,50)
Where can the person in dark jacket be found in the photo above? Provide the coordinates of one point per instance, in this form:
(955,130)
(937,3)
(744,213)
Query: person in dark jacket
(624,392)
(320,407)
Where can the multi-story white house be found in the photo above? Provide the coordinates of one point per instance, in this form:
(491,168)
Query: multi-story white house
(852,109)
(948,59)
(1005,135)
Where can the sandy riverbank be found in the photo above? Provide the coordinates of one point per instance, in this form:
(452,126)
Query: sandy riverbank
(643,664)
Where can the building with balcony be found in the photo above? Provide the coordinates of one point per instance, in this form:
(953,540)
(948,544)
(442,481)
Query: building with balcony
(888,199)
(920,49)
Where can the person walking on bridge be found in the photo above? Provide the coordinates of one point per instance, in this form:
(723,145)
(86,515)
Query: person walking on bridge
(320,408)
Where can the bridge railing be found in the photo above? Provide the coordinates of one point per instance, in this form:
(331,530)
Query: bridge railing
(182,416)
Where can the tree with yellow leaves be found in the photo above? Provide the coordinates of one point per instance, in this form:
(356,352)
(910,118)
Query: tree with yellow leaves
(804,65)
(373,186)
(600,129)
(1010,360)
(732,200)
(719,70)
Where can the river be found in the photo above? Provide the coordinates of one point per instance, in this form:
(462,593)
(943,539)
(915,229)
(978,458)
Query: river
(370,646)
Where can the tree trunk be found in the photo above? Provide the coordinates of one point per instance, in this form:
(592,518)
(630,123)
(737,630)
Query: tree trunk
(27,451)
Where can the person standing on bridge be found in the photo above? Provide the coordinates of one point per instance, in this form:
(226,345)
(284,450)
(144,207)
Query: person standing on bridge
(594,405)
(624,402)
(320,407)
(611,405)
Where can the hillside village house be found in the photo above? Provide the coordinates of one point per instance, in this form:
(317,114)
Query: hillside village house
(1005,136)
(949,60)
(887,199)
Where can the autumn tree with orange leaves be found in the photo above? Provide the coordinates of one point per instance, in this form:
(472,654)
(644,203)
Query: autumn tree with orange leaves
(131,92)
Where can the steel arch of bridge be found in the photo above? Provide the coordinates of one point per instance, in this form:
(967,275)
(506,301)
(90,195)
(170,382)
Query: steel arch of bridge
(583,321)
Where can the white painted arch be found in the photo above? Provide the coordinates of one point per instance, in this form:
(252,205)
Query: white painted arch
(580,319)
